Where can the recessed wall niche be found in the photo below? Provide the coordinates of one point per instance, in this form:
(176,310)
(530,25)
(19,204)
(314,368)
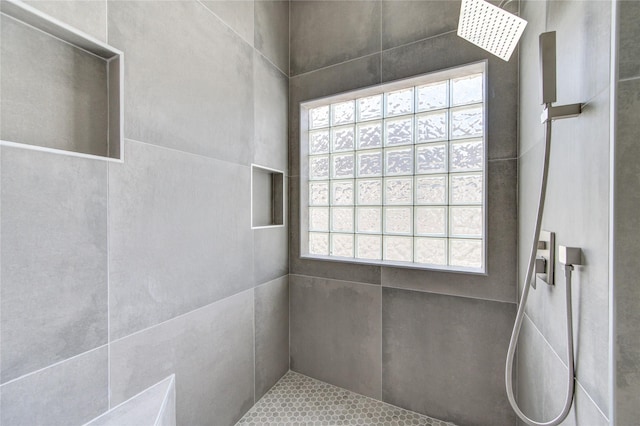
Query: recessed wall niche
(61,90)
(267,197)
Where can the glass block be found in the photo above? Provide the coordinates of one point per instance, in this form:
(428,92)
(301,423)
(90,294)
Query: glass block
(342,245)
(466,188)
(467,155)
(398,131)
(319,219)
(466,90)
(343,138)
(342,192)
(319,167)
(319,142)
(431,221)
(369,135)
(342,219)
(399,102)
(369,163)
(432,127)
(399,161)
(369,247)
(369,219)
(370,108)
(342,165)
(398,248)
(398,190)
(343,113)
(319,193)
(466,122)
(319,117)
(431,251)
(398,220)
(431,190)
(431,158)
(466,221)
(432,96)
(466,253)
(369,191)
(318,243)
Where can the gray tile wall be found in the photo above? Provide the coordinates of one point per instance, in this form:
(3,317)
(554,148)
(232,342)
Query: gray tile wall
(348,326)
(577,209)
(116,275)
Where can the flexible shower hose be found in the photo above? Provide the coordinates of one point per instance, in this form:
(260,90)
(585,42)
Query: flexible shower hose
(523,301)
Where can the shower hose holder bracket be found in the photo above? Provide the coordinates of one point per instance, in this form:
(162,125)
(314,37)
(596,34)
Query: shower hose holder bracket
(545,258)
(558,112)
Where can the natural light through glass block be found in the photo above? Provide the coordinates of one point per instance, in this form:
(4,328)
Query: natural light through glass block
(319,142)
(318,243)
(431,250)
(343,113)
(370,108)
(369,135)
(399,131)
(342,245)
(342,166)
(370,163)
(343,138)
(319,193)
(466,90)
(466,253)
(431,189)
(466,122)
(319,117)
(466,188)
(368,247)
(369,192)
(342,193)
(466,221)
(398,248)
(432,127)
(369,219)
(432,96)
(398,190)
(398,220)
(431,158)
(399,102)
(467,155)
(398,161)
(342,219)
(319,167)
(319,219)
(431,221)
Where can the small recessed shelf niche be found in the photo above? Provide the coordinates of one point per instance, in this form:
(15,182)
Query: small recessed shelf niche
(267,197)
(62,89)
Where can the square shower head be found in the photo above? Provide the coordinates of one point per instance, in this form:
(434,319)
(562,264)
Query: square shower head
(490,27)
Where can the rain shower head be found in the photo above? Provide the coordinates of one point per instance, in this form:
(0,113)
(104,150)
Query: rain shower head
(490,27)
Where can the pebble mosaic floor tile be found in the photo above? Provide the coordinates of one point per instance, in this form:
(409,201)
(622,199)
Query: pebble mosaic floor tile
(302,401)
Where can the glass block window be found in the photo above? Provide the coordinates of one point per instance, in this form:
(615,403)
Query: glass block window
(396,174)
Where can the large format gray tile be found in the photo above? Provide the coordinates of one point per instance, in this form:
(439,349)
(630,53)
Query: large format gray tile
(629,39)
(406,21)
(500,281)
(444,356)
(272,31)
(329,32)
(627,246)
(180,235)
(49,82)
(270,114)
(54,258)
(335,332)
(237,14)
(188,78)
(270,254)
(449,50)
(210,351)
(272,333)
(72,392)
(528,376)
(88,16)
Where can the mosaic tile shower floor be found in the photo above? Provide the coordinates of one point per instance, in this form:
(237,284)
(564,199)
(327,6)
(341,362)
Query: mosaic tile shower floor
(302,401)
